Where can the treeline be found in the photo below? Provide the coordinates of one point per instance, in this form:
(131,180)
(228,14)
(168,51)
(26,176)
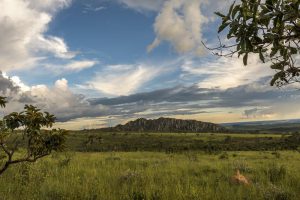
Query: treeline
(165,143)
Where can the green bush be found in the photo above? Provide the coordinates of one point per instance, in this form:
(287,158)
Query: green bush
(275,172)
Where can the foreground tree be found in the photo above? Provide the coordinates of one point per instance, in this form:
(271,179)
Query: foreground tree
(268,28)
(24,130)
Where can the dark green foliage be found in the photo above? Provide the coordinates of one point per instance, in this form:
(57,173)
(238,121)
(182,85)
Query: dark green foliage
(268,28)
(224,156)
(138,195)
(2,101)
(276,154)
(24,130)
(176,142)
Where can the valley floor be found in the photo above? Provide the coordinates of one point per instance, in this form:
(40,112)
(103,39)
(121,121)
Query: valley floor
(155,176)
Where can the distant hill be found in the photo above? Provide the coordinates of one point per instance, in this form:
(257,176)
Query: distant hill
(168,125)
(273,126)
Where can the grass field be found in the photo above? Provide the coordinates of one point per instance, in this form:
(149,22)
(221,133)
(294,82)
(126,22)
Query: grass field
(94,140)
(154,176)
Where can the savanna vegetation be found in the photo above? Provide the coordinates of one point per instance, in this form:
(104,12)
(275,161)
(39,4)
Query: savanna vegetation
(140,166)
(95,141)
(155,176)
(24,130)
(165,166)
(136,166)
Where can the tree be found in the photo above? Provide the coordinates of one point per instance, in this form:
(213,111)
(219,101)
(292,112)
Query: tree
(268,28)
(24,130)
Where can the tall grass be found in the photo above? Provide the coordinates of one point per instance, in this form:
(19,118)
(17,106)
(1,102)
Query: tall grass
(154,176)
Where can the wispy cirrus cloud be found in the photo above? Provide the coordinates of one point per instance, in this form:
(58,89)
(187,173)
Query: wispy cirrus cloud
(121,80)
(222,72)
(80,65)
(143,5)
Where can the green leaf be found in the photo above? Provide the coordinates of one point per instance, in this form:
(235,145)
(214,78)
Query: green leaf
(273,81)
(230,9)
(261,56)
(245,59)
(278,66)
(269,4)
(293,50)
(273,52)
(220,14)
(279,75)
(235,10)
(223,26)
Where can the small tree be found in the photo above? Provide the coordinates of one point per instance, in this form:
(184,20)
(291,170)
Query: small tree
(268,28)
(24,130)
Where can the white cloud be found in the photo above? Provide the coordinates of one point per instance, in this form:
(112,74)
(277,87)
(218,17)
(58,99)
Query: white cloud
(227,72)
(123,79)
(22,35)
(49,5)
(80,65)
(91,8)
(142,5)
(57,99)
(54,45)
(180,23)
(17,81)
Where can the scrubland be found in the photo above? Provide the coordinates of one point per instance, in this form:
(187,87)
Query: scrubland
(155,175)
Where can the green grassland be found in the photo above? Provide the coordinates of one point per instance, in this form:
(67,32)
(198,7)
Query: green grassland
(96,141)
(154,176)
(154,166)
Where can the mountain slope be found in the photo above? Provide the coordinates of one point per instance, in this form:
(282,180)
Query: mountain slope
(169,125)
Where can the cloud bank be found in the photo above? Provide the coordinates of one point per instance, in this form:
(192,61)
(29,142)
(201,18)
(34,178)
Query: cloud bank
(23,37)
(247,102)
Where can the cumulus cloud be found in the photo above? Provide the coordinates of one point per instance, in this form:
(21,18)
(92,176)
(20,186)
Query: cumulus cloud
(180,23)
(122,79)
(58,99)
(23,32)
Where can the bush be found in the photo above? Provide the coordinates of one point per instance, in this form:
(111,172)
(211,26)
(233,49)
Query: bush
(276,173)
(276,154)
(224,156)
(274,192)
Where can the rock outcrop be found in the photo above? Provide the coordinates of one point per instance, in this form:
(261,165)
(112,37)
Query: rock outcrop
(169,125)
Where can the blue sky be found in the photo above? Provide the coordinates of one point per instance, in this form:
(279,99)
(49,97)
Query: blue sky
(97,62)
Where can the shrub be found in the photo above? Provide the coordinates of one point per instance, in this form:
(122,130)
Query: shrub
(276,154)
(275,173)
(224,156)
(138,195)
(273,192)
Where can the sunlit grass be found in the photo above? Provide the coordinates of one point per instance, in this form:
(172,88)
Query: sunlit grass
(149,175)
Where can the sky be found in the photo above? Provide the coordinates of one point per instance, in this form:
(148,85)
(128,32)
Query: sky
(98,63)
